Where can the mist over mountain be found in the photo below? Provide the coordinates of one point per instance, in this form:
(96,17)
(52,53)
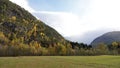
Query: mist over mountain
(70,29)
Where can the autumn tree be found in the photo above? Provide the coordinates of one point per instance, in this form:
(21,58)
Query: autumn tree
(115,45)
(102,49)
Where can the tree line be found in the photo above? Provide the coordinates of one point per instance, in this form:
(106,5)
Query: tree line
(58,49)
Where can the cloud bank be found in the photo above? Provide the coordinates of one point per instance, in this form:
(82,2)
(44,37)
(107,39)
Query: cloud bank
(67,24)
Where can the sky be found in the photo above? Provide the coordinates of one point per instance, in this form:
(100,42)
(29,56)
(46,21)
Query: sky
(76,20)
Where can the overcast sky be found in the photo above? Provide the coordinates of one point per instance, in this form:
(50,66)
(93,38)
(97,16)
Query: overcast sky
(76,20)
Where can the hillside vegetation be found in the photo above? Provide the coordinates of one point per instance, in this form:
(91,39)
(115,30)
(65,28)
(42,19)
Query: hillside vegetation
(17,23)
(22,34)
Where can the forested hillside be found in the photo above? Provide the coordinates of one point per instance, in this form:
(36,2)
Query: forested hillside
(20,30)
(21,34)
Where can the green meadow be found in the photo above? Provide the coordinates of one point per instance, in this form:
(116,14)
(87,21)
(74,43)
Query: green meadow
(60,62)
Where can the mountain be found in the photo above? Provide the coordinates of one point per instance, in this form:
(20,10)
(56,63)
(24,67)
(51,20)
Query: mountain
(107,38)
(18,25)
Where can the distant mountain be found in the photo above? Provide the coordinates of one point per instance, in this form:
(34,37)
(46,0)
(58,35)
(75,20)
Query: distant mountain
(18,24)
(107,38)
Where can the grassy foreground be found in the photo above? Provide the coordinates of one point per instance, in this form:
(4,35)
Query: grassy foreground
(60,62)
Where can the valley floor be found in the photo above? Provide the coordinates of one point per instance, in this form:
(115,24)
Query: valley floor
(60,62)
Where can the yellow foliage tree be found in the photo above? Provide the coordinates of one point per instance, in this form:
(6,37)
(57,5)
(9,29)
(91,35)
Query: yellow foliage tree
(13,18)
(115,45)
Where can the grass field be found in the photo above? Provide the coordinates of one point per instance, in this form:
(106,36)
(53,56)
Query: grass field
(60,62)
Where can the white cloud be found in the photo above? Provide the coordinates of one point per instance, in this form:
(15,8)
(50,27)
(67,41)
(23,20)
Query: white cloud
(67,24)
(24,4)
(103,13)
(102,16)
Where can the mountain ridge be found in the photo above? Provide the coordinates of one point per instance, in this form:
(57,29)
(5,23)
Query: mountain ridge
(107,38)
